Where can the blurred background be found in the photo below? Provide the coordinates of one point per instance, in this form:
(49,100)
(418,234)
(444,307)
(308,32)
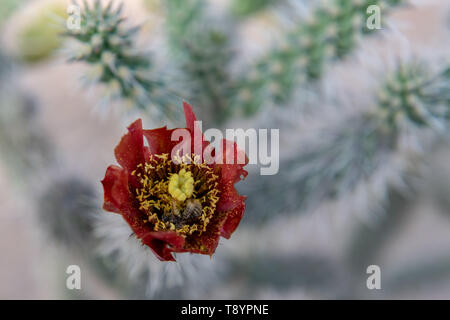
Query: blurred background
(363,116)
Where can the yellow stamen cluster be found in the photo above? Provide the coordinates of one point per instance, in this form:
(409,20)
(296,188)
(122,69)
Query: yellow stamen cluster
(181,185)
(166,187)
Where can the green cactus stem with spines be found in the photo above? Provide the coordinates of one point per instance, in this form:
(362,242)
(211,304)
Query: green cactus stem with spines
(25,148)
(109,48)
(328,34)
(357,147)
(67,210)
(202,50)
(352,152)
(411,93)
(245,8)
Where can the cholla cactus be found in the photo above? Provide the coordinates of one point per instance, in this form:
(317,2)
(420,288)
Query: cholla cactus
(362,155)
(5,67)
(329,33)
(248,7)
(66,209)
(108,47)
(359,157)
(201,48)
(413,94)
(24,147)
(349,153)
(260,271)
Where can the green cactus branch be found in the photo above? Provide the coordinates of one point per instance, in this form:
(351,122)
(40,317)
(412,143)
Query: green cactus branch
(329,33)
(108,47)
(409,97)
(413,94)
(202,50)
(24,146)
(245,8)
(353,151)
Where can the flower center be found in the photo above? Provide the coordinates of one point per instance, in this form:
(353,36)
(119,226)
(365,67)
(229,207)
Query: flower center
(177,196)
(181,185)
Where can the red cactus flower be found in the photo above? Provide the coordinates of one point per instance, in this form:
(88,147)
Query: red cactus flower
(174,206)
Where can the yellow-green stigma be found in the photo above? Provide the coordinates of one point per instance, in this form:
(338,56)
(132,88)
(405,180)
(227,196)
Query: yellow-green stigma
(181,185)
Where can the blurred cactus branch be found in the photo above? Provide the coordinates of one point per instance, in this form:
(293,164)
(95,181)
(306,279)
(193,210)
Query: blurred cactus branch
(202,49)
(265,269)
(415,95)
(368,240)
(8,7)
(67,209)
(245,8)
(419,273)
(24,147)
(108,46)
(329,33)
(354,149)
(351,153)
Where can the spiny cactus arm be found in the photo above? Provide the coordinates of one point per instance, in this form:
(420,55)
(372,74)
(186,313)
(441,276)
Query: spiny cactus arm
(349,154)
(261,270)
(416,95)
(25,147)
(108,47)
(202,48)
(181,16)
(356,149)
(367,241)
(419,273)
(245,8)
(328,34)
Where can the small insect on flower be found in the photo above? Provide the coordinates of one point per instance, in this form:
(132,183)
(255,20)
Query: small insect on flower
(174,206)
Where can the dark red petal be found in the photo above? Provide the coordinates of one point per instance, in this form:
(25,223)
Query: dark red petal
(233,172)
(229,197)
(159,241)
(118,200)
(207,242)
(130,151)
(116,189)
(159,140)
(190,125)
(189,115)
(232,221)
(210,238)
